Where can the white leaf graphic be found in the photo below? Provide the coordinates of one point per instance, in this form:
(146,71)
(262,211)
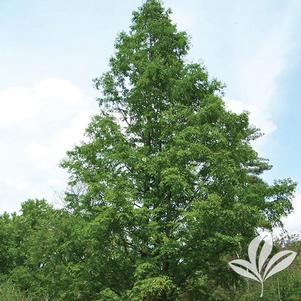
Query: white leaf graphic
(264,254)
(284,263)
(250,269)
(246,264)
(241,271)
(252,250)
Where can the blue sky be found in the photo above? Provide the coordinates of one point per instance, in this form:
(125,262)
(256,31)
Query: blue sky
(51,50)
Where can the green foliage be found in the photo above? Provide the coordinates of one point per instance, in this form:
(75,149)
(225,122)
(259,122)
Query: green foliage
(108,295)
(171,181)
(8,293)
(153,289)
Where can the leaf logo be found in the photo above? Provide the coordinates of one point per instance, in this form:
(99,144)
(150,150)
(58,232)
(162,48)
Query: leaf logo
(256,269)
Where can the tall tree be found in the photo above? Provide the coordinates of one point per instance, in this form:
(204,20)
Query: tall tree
(170,182)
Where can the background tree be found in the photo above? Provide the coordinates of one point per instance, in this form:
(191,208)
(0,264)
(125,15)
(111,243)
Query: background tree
(171,183)
(43,252)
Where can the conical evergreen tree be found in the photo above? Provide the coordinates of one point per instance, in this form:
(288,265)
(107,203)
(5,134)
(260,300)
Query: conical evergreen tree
(170,182)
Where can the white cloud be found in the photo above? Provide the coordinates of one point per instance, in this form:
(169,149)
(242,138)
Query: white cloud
(17,105)
(38,124)
(262,119)
(51,152)
(23,103)
(258,72)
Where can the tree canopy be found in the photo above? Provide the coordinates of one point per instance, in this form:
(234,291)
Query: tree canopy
(169,174)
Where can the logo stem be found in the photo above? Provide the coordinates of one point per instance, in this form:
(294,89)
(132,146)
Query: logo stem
(261,295)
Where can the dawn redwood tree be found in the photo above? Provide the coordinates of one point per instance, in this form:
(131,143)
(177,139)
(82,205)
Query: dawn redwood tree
(169,183)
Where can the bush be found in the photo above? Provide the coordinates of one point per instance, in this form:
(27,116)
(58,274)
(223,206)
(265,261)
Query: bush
(9,292)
